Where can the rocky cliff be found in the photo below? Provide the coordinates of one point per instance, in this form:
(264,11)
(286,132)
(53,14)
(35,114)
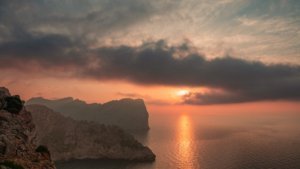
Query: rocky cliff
(18,148)
(71,139)
(129,114)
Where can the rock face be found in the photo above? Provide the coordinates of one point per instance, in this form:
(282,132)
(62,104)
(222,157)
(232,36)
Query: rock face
(71,139)
(18,148)
(129,114)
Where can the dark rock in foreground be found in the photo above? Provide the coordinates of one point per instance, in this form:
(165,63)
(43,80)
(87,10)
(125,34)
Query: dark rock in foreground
(129,114)
(18,137)
(70,139)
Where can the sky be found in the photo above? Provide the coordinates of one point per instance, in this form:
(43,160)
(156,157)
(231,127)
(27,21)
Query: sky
(171,53)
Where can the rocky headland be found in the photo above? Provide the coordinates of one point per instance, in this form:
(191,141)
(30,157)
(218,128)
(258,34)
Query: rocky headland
(18,148)
(71,139)
(129,114)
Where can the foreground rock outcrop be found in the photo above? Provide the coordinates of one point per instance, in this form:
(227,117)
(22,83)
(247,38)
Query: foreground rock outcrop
(18,139)
(71,139)
(129,114)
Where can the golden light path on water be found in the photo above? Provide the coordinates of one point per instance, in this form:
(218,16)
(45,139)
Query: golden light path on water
(185,138)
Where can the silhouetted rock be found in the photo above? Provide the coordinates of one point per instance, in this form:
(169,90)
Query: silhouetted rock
(129,114)
(70,139)
(18,136)
(12,104)
(3,93)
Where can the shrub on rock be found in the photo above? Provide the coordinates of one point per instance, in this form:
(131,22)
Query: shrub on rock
(13,104)
(42,149)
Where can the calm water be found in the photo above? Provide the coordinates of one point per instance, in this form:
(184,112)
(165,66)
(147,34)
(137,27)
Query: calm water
(207,141)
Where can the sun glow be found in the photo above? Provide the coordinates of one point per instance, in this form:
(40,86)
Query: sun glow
(182,92)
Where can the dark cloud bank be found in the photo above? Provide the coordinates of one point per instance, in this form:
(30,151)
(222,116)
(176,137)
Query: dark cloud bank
(157,63)
(241,80)
(153,63)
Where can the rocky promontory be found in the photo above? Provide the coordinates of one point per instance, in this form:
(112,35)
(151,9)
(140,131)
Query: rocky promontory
(129,114)
(68,139)
(18,148)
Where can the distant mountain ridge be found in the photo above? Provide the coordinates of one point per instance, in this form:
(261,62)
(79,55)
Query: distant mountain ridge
(71,139)
(129,114)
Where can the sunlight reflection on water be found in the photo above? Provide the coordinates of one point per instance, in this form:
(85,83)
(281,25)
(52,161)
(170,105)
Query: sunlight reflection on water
(186,150)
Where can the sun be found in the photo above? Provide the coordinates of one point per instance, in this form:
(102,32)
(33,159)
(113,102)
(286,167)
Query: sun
(182,92)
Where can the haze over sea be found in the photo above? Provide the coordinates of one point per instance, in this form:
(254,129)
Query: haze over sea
(220,78)
(214,141)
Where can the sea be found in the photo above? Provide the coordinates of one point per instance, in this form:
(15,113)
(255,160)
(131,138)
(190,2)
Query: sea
(214,141)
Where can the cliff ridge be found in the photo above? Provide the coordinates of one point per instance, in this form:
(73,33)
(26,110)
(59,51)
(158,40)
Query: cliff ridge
(18,148)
